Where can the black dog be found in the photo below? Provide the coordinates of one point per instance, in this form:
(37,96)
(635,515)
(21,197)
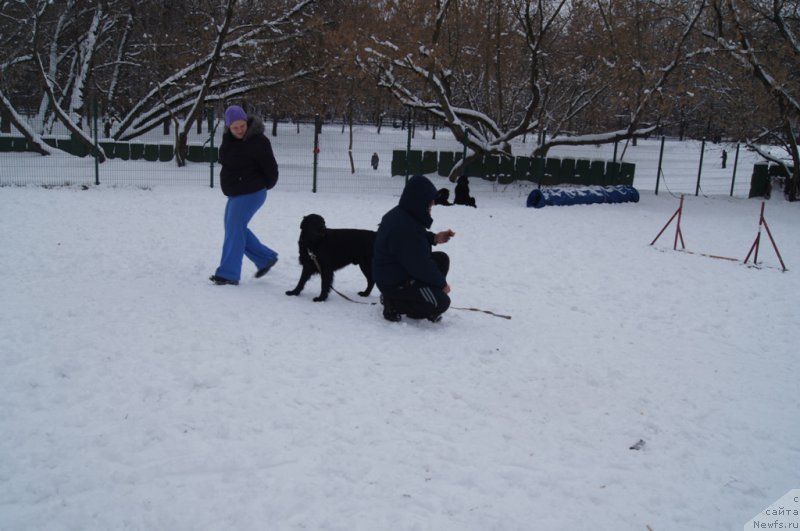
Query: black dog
(462,193)
(324,250)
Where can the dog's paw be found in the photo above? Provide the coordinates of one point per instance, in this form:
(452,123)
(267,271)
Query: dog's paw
(293,292)
(320,299)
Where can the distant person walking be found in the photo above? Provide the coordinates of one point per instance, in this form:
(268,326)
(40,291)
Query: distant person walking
(724,158)
(374,161)
(248,170)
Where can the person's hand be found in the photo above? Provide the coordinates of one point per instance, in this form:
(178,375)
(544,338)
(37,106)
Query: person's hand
(444,236)
(446,288)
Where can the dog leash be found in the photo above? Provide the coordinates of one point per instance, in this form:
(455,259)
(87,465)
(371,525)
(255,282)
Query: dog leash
(342,295)
(345,297)
(479,310)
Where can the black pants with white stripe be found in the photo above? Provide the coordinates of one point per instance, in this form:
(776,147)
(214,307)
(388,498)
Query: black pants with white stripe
(420,301)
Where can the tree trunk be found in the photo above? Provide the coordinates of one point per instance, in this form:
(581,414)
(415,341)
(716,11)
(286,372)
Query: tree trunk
(350,148)
(87,49)
(76,131)
(181,146)
(792,190)
(5,121)
(33,138)
(195,113)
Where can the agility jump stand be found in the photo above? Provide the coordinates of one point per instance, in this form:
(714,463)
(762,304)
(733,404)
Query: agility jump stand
(679,237)
(762,222)
(678,233)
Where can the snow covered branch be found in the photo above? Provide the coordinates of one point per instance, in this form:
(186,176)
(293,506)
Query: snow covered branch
(776,72)
(457,96)
(73,128)
(229,42)
(33,138)
(600,138)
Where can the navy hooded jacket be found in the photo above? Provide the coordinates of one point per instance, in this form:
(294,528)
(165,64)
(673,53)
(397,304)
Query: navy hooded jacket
(248,165)
(403,241)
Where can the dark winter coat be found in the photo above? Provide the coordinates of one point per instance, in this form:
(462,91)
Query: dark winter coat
(403,243)
(248,165)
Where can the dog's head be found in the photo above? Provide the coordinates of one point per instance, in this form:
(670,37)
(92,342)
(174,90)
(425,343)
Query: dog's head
(312,229)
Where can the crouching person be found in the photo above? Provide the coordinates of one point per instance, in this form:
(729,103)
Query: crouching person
(411,277)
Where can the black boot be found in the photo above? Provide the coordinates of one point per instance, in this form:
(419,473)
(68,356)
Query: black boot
(389,312)
(221,281)
(264,270)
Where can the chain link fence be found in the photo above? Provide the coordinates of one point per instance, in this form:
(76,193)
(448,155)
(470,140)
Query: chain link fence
(362,158)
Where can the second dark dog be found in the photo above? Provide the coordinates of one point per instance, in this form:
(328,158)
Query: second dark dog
(324,250)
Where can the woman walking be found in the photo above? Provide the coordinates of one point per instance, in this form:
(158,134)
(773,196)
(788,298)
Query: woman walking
(249,169)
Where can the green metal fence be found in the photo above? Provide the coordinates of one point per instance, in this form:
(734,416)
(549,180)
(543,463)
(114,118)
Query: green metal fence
(330,157)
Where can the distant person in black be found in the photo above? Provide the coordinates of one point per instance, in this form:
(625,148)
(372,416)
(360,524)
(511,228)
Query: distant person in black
(374,161)
(462,193)
(724,158)
(411,277)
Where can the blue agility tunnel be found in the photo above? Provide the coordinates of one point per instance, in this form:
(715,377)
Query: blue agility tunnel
(582,196)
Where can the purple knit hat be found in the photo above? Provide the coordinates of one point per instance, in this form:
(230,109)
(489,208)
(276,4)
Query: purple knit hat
(234,113)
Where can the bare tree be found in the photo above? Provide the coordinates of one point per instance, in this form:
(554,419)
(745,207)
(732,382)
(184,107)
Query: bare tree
(83,59)
(185,54)
(492,71)
(647,44)
(763,39)
(15,31)
(520,72)
(451,83)
(183,127)
(223,73)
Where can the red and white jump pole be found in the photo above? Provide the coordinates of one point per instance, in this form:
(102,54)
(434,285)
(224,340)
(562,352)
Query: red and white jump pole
(762,222)
(678,233)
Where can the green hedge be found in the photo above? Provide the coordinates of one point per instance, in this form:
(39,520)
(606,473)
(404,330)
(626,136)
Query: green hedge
(522,169)
(552,172)
(597,172)
(626,173)
(19,144)
(759,181)
(447,160)
(505,170)
(133,150)
(763,172)
(398,162)
(583,171)
(5,144)
(568,171)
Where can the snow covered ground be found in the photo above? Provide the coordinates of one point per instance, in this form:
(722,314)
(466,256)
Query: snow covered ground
(137,395)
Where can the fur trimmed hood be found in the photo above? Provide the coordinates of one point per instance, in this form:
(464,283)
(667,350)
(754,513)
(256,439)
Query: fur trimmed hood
(417,196)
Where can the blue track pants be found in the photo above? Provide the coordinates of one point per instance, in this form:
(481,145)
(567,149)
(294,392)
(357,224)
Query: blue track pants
(239,240)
